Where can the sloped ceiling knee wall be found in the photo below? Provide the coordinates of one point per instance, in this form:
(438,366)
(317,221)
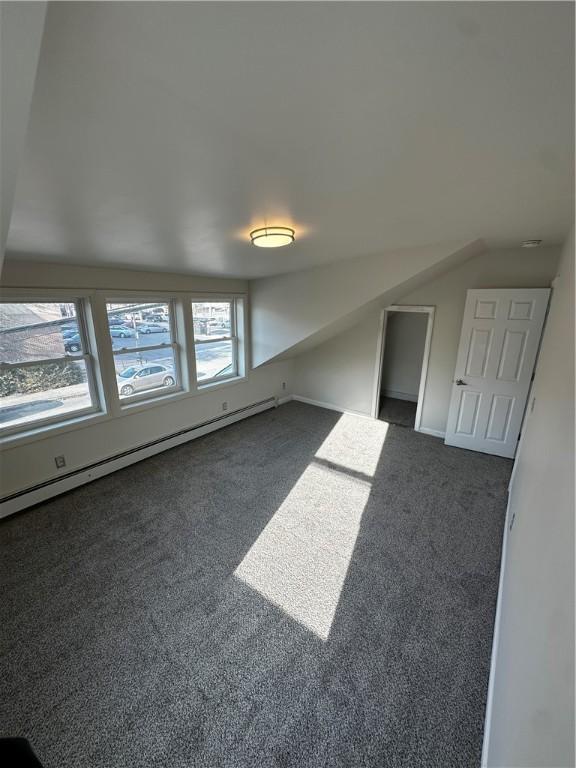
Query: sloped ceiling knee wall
(296,311)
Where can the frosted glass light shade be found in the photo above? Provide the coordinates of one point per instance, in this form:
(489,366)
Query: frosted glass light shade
(272,237)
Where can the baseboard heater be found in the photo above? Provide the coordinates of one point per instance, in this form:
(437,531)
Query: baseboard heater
(41,491)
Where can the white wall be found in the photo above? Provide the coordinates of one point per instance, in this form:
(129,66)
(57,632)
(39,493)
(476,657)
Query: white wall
(336,372)
(19,273)
(21,26)
(351,357)
(403,353)
(27,463)
(531,723)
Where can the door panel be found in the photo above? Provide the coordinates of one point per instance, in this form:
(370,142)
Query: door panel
(141,379)
(499,417)
(485,310)
(478,352)
(468,412)
(157,377)
(499,341)
(512,355)
(521,310)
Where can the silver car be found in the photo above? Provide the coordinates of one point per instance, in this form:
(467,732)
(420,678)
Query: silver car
(143,377)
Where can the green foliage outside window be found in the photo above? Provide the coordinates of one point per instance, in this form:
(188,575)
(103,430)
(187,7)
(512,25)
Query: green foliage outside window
(39,378)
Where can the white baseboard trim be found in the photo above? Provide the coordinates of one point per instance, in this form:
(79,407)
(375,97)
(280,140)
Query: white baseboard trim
(284,400)
(495,643)
(433,432)
(399,395)
(56,486)
(330,407)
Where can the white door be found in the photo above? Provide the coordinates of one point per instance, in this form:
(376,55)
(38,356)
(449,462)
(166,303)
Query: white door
(500,336)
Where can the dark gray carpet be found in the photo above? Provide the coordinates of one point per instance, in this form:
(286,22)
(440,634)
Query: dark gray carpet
(300,589)
(399,412)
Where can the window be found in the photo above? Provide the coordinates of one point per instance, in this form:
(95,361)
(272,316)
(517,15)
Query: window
(215,340)
(46,369)
(144,347)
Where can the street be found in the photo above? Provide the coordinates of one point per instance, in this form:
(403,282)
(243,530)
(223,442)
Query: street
(211,357)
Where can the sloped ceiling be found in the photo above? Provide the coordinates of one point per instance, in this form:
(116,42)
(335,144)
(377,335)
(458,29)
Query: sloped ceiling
(161,132)
(294,312)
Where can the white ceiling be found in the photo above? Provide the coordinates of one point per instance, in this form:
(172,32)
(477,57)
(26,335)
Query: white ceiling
(161,132)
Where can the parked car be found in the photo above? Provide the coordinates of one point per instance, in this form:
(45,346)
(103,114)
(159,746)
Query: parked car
(67,333)
(155,317)
(152,328)
(73,343)
(143,377)
(122,332)
(116,321)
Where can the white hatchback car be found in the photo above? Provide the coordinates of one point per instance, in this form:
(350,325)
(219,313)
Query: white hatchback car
(138,378)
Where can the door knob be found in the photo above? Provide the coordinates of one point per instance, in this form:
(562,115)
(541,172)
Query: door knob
(461,383)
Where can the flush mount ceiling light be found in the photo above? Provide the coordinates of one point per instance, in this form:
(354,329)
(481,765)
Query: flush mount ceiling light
(531,243)
(272,237)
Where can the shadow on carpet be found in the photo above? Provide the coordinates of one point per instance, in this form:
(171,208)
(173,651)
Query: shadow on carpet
(299,589)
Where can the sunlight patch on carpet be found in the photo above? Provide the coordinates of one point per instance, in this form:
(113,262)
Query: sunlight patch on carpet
(300,560)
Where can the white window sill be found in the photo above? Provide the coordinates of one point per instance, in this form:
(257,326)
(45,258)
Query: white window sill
(143,403)
(33,434)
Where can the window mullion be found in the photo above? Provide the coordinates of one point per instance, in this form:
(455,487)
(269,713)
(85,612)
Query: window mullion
(104,355)
(185,328)
(235,354)
(87,342)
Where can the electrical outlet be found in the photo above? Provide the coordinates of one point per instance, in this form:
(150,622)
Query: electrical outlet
(283,385)
(224,406)
(60,462)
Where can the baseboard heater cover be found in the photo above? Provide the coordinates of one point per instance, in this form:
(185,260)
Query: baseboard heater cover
(41,491)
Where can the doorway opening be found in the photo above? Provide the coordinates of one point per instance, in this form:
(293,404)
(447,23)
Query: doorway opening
(402,364)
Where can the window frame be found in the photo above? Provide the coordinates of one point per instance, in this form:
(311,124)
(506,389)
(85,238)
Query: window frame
(233,338)
(111,408)
(86,355)
(125,401)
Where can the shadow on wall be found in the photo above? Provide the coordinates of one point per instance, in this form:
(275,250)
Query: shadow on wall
(301,589)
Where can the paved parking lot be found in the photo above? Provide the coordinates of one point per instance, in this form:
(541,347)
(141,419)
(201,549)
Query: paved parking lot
(210,358)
